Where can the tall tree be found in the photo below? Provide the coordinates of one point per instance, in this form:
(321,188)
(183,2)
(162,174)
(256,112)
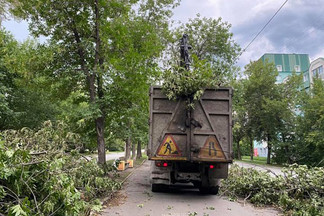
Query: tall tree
(291,91)
(264,103)
(239,116)
(310,126)
(94,41)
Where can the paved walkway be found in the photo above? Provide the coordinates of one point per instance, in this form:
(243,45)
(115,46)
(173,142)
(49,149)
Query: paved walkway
(136,199)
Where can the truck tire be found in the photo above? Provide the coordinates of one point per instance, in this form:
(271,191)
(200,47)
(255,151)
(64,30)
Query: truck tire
(159,187)
(209,190)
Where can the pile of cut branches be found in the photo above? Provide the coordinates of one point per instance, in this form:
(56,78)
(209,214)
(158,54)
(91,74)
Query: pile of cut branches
(299,191)
(42,173)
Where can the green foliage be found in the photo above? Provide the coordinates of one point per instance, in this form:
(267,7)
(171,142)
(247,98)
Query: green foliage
(264,109)
(115,144)
(211,41)
(188,84)
(262,99)
(241,128)
(39,177)
(310,126)
(213,55)
(301,139)
(298,191)
(105,50)
(285,115)
(24,96)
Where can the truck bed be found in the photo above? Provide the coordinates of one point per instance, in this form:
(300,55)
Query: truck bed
(201,134)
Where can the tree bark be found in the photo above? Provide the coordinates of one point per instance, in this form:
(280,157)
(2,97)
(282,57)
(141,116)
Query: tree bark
(134,151)
(269,150)
(238,150)
(251,148)
(101,140)
(286,147)
(139,150)
(128,144)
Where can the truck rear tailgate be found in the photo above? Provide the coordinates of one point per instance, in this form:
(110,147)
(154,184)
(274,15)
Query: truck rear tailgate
(202,134)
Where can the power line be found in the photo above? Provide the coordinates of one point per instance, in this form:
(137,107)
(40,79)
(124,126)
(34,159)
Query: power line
(262,28)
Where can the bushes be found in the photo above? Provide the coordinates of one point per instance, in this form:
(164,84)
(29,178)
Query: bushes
(38,177)
(299,191)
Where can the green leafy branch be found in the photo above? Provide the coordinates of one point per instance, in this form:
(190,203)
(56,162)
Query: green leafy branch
(179,83)
(298,191)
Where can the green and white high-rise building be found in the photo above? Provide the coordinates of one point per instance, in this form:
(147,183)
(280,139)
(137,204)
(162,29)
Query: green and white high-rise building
(286,64)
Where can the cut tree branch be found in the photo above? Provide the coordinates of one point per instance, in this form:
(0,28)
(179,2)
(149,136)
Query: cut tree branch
(38,153)
(32,163)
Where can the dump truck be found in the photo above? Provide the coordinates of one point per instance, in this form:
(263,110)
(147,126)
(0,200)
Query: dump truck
(190,145)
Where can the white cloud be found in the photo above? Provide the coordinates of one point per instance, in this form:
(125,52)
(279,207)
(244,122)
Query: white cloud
(256,50)
(297,28)
(317,55)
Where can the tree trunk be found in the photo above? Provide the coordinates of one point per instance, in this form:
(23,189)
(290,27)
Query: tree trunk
(139,150)
(134,151)
(251,148)
(238,150)
(286,147)
(269,154)
(91,79)
(127,148)
(100,121)
(269,150)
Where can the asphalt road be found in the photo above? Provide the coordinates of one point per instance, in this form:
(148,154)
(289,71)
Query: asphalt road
(114,155)
(136,199)
(110,156)
(272,170)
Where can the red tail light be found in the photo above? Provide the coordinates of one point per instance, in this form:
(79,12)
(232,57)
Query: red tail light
(211,166)
(162,164)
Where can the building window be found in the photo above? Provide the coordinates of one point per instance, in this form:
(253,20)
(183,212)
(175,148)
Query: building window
(320,71)
(314,72)
(279,67)
(297,68)
(305,77)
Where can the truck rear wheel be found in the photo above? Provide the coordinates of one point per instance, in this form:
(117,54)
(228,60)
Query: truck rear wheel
(209,190)
(159,187)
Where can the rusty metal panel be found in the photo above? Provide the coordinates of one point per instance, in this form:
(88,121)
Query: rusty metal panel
(197,133)
(211,139)
(167,119)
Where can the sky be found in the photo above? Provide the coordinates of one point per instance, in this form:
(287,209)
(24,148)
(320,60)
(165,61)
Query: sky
(297,28)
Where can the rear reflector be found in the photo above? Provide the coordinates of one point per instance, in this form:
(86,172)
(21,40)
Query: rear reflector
(165,164)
